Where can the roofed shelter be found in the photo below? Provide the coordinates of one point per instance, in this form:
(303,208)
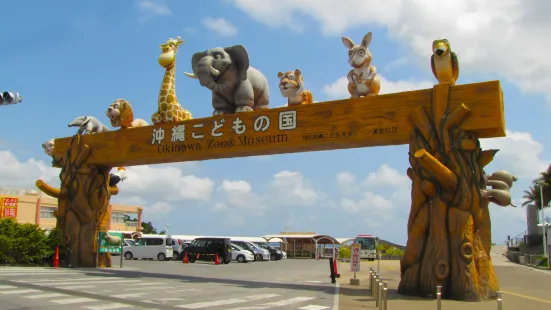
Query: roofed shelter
(305,242)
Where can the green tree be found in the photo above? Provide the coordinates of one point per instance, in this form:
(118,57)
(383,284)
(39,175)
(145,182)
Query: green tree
(532,196)
(147,226)
(344,251)
(23,243)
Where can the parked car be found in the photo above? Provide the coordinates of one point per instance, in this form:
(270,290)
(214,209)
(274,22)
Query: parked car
(259,253)
(204,248)
(150,247)
(125,243)
(241,255)
(275,254)
(178,246)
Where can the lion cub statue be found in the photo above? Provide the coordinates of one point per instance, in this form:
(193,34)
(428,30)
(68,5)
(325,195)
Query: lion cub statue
(291,85)
(121,115)
(362,79)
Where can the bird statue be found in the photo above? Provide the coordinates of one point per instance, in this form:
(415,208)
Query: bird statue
(444,62)
(118,176)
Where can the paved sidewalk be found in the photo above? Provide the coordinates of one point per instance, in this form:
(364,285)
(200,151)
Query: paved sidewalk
(357,297)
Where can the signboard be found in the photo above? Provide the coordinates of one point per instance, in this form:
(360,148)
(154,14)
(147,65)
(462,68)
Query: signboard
(107,244)
(355,257)
(8,207)
(341,124)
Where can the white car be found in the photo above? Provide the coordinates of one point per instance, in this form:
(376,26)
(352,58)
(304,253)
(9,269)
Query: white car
(241,255)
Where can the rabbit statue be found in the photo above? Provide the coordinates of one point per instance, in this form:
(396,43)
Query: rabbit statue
(362,79)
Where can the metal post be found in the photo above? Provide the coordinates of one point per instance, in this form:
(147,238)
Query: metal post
(380,295)
(543,223)
(499,301)
(379,263)
(372,284)
(376,291)
(370,279)
(439,297)
(385,297)
(122,254)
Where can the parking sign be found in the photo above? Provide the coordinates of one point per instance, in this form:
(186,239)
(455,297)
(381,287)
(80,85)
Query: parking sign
(355,257)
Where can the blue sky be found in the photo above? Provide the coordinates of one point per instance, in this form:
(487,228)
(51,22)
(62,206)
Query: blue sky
(70,59)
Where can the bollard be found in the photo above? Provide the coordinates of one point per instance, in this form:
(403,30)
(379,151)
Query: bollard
(376,292)
(439,297)
(499,301)
(385,297)
(372,284)
(370,280)
(380,295)
(331,270)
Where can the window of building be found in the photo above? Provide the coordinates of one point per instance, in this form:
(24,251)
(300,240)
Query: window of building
(117,217)
(47,212)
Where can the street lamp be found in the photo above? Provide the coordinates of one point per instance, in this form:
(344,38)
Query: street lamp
(541,183)
(166,229)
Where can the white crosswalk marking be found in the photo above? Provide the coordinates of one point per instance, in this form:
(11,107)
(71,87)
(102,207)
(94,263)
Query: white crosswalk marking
(3,287)
(200,305)
(280,303)
(88,282)
(48,295)
(130,295)
(17,292)
(65,280)
(106,307)
(75,287)
(71,301)
(313,307)
(31,274)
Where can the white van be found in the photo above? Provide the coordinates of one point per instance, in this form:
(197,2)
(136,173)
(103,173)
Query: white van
(150,247)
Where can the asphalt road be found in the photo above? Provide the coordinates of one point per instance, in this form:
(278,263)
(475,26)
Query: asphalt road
(283,285)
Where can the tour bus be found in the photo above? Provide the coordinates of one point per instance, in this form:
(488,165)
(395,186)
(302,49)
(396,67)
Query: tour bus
(367,249)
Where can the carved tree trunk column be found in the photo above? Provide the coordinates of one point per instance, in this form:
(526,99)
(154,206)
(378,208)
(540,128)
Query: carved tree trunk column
(449,233)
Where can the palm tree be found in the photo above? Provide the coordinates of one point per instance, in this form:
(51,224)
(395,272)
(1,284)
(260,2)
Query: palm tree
(533,195)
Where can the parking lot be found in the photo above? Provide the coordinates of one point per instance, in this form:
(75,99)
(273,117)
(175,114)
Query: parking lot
(151,284)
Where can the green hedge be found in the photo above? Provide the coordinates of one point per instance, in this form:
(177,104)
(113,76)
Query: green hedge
(26,243)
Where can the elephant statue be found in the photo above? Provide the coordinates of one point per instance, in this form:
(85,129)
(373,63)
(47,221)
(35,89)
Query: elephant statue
(501,183)
(235,86)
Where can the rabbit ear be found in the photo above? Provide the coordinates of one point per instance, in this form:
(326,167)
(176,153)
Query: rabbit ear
(298,72)
(347,42)
(367,39)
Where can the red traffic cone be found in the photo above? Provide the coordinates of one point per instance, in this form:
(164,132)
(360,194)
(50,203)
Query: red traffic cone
(56,257)
(186,259)
(216,261)
(337,274)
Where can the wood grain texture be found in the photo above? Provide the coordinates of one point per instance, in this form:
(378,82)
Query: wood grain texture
(351,123)
(449,226)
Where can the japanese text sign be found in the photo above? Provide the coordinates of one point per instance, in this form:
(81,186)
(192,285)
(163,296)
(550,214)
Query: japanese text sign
(104,242)
(355,257)
(8,206)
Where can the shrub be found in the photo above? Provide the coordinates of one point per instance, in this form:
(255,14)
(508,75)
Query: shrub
(344,251)
(23,243)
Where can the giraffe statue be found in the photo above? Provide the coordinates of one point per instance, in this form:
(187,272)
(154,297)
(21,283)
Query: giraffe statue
(169,109)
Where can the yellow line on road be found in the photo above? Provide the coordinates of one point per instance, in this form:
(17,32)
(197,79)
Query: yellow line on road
(527,297)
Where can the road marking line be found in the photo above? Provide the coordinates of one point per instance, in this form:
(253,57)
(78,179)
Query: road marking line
(129,295)
(3,287)
(65,280)
(49,295)
(33,274)
(527,297)
(73,287)
(280,303)
(89,282)
(313,307)
(18,292)
(224,302)
(313,281)
(336,296)
(106,307)
(73,301)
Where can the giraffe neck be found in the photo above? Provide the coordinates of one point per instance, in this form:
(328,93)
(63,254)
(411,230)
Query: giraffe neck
(168,86)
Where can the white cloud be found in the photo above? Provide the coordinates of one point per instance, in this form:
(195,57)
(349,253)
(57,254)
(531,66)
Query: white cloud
(519,154)
(470,25)
(346,182)
(239,194)
(386,176)
(16,174)
(155,7)
(220,26)
(291,189)
(339,88)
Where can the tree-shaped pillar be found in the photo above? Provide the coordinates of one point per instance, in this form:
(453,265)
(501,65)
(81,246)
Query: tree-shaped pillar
(449,233)
(83,205)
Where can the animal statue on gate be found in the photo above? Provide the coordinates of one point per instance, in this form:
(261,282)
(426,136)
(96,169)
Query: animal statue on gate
(291,85)
(362,79)
(121,115)
(444,62)
(501,183)
(112,240)
(49,146)
(236,86)
(169,109)
(88,125)
(118,176)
